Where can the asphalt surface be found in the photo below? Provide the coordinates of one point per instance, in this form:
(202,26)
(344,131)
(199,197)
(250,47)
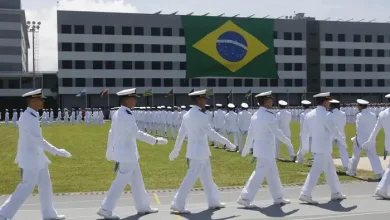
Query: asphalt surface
(360,204)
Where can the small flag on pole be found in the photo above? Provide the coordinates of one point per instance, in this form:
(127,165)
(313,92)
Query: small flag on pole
(192,90)
(82,93)
(248,94)
(104,93)
(209,92)
(170,93)
(230,93)
(148,93)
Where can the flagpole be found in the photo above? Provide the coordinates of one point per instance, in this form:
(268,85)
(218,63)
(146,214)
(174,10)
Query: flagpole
(173,96)
(251,100)
(108,99)
(232,97)
(152,97)
(86,98)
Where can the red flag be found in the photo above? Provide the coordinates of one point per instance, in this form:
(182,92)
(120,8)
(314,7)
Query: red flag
(104,93)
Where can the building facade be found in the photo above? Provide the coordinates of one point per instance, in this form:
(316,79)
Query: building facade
(119,50)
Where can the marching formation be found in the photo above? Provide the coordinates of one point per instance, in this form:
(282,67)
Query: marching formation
(322,125)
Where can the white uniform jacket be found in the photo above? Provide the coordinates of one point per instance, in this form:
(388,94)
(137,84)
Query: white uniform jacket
(382,122)
(283,119)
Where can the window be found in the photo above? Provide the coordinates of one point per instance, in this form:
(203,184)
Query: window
(275,35)
(288,82)
(168,82)
(79,29)
(79,47)
(67,82)
(184,83)
(182,48)
(357,67)
(328,67)
(167,48)
(79,64)
(138,31)
(127,65)
(109,65)
(357,53)
(298,82)
(248,82)
(328,52)
(288,67)
(298,67)
(287,36)
(97,65)
(139,65)
(167,31)
(155,31)
(357,82)
(211,82)
(195,82)
(109,30)
(341,52)
(275,50)
(328,37)
(80,82)
(127,82)
(139,48)
(181,32)
(381,53)
(381,83)
(263,82)
(368,82)
(66,46)
(126,48)
(341,67)
(329,82)
(96,47)
(126,30)
(357,38)
(287,51)
(222,82)
(110,82)
(140,82)
(97,82)
(368,67)
(368,38)
(380,39)
(368,52)
(341,37)
(341,82)
(298,51)
(237,82)
(381,67)
(66,29)
(274,82)
(156,65)
(109,47)
(156,48)
(297,36)
(67,64)
(183,65)
(168,65)
(156,82)
(97,30)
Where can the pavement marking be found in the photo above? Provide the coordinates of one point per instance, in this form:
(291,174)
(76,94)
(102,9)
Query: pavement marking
(156,198)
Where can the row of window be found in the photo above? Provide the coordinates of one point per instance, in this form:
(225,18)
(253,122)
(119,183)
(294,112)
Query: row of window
(124,30)
(356,52)
(356,38)
(355,67)
(356,83)
(124,48)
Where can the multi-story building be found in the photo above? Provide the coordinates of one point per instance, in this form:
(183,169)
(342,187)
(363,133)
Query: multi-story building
(120,50)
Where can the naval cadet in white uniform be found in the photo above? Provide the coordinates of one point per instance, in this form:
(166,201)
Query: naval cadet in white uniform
(261,137)
(306,104)
(340,120)
(319,125)
(243,121)
(283,119)
(33,162)
(196,127)
(122,148)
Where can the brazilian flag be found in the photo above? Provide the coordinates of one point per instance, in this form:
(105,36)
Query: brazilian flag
(229,47)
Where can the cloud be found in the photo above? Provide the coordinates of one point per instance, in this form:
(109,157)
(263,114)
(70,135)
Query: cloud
(47,54)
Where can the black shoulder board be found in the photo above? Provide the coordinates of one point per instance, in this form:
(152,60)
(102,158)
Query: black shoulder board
(128,112)
(33,114)
(270,112)
(202,111)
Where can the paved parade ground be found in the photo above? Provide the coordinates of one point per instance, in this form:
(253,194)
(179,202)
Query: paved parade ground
(361,204)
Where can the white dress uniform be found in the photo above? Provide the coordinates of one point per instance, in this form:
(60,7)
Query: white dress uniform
(6,117)
(196,127)
(33,164)
(365,123)
(320,127)
(59,116)
(261,137)
(283,119)
(306,104)
(340,120)
(244,119)
(231,124)
(122,148)
(219,122)
(66,116)
(14,117)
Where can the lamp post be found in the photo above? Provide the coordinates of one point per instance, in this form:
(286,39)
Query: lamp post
(33,27)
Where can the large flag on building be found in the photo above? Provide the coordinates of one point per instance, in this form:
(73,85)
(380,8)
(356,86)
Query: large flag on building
(82,93)
(148,93)
(229,47)
(104,93)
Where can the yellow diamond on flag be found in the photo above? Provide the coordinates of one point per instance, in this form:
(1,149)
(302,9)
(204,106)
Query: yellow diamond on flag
(231,46)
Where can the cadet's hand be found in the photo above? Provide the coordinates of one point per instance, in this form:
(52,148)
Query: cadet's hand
(231,147)
(63,153)
(245,152)
(173,154)
(161,141)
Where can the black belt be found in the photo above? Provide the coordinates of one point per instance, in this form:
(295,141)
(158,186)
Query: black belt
(385,154)
(188,162)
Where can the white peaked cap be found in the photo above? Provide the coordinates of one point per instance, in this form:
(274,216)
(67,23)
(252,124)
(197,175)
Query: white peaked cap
(264,94)
(218,105)
(387,96)
(148,107)
(334,101)
(127,92)
(306,102)
(34,94)
(320,95)
(231,105)
(183,106)
(158,107)
(244,105)
(282,103)
(199,93)
(362,102)
(207,105)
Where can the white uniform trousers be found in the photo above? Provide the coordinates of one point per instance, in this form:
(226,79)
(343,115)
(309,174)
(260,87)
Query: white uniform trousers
(322,163)
(234,134)
(31,178)
(277,148)
(268,169)
(171,131)
(197,169)
(222,132)
(372,157)
(240,137)
(385,182)
(128,173)
(343,153)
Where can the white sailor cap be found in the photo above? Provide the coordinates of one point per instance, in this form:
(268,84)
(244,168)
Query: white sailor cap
(231,105)
(334,101)
(127,92)
(282,103)
(387,96)
(207,105)
(200,93)
(218,105)
(169,107)
(148,107)
(362,102)
(38,93)
(264,95)
(183,106)
(306,102)
(325,95)
(244,105)
(162,106)
(158,107)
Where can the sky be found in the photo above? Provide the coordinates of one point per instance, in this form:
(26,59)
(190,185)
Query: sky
(45,11)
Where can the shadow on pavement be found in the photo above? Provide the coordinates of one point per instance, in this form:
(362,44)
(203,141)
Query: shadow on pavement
(204,215)
(272,211)
(334,206)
